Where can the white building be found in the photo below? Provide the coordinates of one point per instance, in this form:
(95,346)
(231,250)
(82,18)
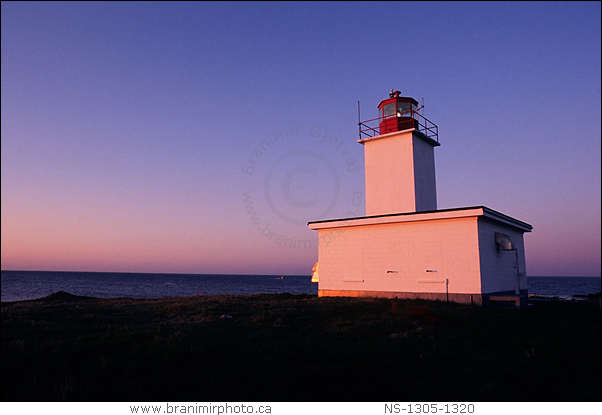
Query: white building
(405,247)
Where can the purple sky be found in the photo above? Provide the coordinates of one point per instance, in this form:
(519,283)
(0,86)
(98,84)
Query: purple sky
(202,137)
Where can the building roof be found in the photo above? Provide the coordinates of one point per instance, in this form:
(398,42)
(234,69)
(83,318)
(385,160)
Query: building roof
(463,212)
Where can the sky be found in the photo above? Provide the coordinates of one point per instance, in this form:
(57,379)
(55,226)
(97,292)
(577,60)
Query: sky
(201,137)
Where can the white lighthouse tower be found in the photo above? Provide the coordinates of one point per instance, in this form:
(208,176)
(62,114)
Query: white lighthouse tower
(405,247)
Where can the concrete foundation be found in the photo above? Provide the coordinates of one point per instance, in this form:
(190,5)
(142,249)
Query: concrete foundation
(502,298)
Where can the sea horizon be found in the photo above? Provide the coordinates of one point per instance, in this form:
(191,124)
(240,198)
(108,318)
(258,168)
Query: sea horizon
(249,275)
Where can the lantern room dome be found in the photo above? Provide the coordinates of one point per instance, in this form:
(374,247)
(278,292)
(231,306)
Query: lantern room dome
(397,113)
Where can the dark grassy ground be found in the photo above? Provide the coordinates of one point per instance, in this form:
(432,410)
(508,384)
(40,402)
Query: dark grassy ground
(281,347)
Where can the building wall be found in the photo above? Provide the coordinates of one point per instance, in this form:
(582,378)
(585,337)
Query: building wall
(499,268)
(389,174)
(424,174)
(395,257)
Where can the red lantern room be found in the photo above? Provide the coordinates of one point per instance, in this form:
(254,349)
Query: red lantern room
(397,113)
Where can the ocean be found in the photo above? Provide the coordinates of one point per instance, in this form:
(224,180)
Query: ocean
(28,285)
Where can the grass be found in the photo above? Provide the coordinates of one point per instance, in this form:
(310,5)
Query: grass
(282,347)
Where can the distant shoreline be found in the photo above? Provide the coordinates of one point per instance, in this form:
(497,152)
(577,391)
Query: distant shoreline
(250,275)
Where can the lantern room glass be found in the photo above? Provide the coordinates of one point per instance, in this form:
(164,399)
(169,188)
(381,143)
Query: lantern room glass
(398,108)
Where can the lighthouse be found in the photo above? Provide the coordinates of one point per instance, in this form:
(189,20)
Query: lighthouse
(405,247)
(400,159)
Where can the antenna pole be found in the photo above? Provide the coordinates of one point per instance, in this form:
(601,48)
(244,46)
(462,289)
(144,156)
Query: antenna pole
(359,122)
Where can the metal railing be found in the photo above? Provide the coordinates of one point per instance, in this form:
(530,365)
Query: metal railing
(371,128)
